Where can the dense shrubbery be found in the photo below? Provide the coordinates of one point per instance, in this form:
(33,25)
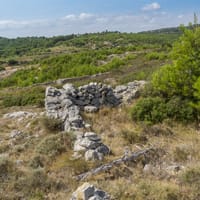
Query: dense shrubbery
(156,109)
(177,85)
(28,96)
(79,64)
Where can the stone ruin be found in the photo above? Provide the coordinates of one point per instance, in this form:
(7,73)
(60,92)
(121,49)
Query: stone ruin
(67,103)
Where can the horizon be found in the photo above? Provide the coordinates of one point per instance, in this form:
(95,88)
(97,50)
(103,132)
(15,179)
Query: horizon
(19,18)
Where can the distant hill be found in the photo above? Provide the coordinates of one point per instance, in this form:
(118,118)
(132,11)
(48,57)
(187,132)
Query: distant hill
(168,30)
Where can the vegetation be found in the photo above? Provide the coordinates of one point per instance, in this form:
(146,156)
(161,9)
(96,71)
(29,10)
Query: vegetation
(177,85)
(73,56)
(40,164)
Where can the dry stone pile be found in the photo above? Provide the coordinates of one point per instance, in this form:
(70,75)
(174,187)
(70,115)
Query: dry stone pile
(91,146)
(66,103)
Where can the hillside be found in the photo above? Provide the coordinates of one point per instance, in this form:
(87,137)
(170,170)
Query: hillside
(112,114)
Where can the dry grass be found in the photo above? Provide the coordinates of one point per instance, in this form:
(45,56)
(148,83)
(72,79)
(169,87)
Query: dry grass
(118,131)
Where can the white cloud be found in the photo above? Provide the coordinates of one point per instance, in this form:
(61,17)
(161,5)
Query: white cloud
(81,16)
(69,17)
(86,22)
(84,16)
(151,7)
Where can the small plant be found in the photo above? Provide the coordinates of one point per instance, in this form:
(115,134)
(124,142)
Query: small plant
(37,162)
(133,137)
(191,177)
(6,167)
(150,110)
(52,125)
(51,145)
(181,154)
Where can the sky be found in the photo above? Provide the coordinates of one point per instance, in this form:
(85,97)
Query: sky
(20,18)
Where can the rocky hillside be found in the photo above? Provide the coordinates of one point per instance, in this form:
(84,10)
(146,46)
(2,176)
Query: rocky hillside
(130,132)
(85,140)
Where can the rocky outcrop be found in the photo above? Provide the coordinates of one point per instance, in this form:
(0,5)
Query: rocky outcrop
(66,103)
(89,192)
(91,146)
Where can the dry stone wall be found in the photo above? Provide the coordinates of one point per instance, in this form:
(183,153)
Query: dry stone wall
(66,103)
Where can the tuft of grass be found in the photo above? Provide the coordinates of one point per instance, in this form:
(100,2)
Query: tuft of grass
(52,125)
(133,137)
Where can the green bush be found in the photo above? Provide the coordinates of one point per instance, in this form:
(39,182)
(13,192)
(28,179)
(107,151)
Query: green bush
(152,109)
(156,56)
(179,78)
(29,96)
(157,109)
(180,109)
(12,62)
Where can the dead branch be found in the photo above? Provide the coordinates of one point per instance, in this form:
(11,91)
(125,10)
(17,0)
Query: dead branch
(108,166)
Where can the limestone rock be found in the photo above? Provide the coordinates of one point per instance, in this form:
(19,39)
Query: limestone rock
(66,103)
(19,114)
(90,143)
(89,192)
(90,109)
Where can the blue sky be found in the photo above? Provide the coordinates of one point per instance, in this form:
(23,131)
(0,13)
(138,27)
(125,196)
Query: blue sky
(60,17)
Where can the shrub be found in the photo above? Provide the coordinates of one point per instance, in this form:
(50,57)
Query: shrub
(133,137)
(51,145)
(12,62)
(156,56)
(156,109)
(191,176)
(6,167)
(152,109)
(180,109)
(2,68)
(52,125)
(30,96)
(37,162)
(32,182)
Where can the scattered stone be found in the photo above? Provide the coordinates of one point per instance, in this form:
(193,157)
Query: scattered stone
(89,192)
(19,114)
(90,109)
(174,169)
(91,145)
(91,155)
(148,169)
(15,133)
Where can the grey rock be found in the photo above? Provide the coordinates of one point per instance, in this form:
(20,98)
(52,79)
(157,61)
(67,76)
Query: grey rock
(84,192)
(15,133)
(69,88)
(120,88)
(103,149)
(90,109)
(91,155)
(89,192)
(19,114)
